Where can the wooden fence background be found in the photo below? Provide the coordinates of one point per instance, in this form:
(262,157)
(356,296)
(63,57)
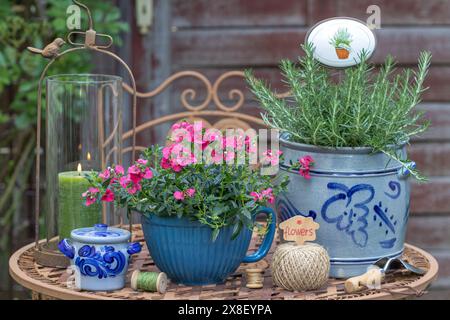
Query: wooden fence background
(213,37)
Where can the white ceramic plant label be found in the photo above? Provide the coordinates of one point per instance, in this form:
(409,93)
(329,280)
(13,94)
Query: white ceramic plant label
(339,41)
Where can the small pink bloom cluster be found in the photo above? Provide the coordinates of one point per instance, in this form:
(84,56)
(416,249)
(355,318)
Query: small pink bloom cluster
(178,154)
(91,195)
(131,181)
(263,195)
(181,195)
(305,163)
(272,157)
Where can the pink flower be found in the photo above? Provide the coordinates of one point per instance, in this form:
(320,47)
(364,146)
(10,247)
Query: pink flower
(229,156)
(306,161)
(216,156)
(182,131)
(305,165)
(119,169)
(177,167)
(135,174)
(304,173)
(134,188)
(90,195)
(134,170)
(165,163)
(90,200)
(124,181)
(167,152)
(176,156)
(190,192)
(142,161)
(105,174)
(148,174)
(91,191)
(250,144)
(256,196)
(272,157)
(108,196)
(229,142)
(268,194)
(179,195)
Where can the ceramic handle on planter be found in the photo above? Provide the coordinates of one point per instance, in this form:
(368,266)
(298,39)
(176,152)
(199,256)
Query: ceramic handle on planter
(66,248)
(134,247)
(268,238)
(404,173)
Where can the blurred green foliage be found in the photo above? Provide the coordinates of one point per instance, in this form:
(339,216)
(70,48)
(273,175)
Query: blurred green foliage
(25,23)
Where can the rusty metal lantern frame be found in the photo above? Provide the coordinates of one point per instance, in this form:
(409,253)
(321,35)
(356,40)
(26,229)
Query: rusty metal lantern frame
(45,255)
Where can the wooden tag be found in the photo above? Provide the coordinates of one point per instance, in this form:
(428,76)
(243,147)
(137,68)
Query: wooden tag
(299,229)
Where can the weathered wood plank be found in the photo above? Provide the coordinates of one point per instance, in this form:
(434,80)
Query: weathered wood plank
(232,13)
(237,13)
(265,47)
(429,231)
(431,197)
(438,82)
(235,47)
(433,159)
(399,12)
(439,115)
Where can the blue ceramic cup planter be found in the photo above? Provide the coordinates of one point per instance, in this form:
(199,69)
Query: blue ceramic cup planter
(198,209)
(359,198)
(100,255)
(185,251)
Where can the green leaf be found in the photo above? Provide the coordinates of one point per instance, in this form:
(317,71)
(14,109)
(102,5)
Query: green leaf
(22,121)
(236,230)
(214,234)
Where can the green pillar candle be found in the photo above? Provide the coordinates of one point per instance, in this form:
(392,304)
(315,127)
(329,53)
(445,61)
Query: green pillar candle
(73,213)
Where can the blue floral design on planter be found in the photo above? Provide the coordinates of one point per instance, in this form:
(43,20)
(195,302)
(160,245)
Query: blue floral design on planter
(383,214)
(348,210)
(93,263)
(395,187)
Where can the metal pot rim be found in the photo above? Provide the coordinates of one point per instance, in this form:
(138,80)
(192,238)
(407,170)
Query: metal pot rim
(284,139)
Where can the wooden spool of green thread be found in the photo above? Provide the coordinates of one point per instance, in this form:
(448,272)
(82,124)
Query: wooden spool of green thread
(149,281)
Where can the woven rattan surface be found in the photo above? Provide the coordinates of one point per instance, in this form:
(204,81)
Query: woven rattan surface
(53,283)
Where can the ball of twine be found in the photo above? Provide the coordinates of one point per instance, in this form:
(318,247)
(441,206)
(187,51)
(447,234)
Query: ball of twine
(300,267)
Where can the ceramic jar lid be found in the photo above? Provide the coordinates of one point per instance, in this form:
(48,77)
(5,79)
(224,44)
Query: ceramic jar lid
(339,41)
(100,233)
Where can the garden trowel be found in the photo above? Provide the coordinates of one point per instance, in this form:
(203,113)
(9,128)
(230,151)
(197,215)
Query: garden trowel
(376,273)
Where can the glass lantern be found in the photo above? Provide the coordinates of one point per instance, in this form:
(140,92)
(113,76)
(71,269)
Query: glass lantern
(83,134)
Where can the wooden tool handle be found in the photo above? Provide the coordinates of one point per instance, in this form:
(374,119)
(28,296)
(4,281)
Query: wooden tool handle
(370,279)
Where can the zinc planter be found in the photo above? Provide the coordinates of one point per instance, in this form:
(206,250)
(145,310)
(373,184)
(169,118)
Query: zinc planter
(359,198)
(184,250)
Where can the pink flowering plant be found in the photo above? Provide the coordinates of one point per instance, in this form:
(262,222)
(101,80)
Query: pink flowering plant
(199,174)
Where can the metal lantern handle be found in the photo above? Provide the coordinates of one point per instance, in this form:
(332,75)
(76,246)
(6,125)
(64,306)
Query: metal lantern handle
(89,44)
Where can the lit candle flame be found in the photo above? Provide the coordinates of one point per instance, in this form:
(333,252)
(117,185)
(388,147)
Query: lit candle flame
(88,156)
(79,168)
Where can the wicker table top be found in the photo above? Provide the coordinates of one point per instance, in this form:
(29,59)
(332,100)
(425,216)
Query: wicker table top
(50,283)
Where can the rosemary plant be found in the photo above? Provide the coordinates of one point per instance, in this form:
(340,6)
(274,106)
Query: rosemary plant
(361,109)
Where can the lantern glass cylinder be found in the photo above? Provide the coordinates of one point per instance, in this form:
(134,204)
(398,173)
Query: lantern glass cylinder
(84,133)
